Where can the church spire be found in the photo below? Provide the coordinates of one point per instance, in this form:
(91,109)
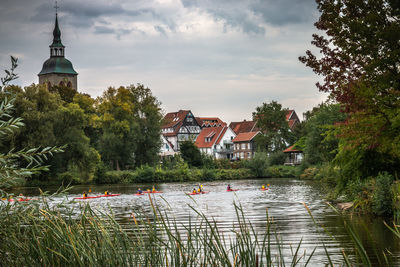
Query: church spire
(56,48)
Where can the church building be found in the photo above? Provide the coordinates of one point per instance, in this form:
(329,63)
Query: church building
(57,70)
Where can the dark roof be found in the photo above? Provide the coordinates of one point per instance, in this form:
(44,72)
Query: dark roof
(57,65)
(173,118)
(243,126)
(210,121)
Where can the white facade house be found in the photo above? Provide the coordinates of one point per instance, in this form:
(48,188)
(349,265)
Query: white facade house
(216,142)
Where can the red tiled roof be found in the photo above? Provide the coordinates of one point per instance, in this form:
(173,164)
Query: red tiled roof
(221,135)
(209,132)
(289,114)
(291,149)
(243,126)
(210,121)
(173,118)
(243,137)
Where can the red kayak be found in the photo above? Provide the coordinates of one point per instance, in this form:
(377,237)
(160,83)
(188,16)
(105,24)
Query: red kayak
(110,195)
(265,189)
(199,193)
(87,197)
(232,190)
(137,194)
(20,199)
(152,192)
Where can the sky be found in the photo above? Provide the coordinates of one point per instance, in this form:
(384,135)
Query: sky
(218,58)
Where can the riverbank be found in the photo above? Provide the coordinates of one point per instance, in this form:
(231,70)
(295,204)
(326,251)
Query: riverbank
(147,174)
(378,195)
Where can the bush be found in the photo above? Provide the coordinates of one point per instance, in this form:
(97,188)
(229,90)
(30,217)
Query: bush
(276,158)
(382,196)
(258,164)
(145,174)
(208,174)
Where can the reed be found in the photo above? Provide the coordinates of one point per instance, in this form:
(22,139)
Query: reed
(37,234)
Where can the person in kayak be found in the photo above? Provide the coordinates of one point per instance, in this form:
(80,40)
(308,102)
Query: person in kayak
(139,191)
(229,187)
(85,194)
(154,189)
(263,187)
(194,191)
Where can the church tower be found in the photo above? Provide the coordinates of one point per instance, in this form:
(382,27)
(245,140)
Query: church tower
(58,70)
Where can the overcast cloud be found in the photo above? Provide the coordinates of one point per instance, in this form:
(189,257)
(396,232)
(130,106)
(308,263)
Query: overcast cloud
(218,58)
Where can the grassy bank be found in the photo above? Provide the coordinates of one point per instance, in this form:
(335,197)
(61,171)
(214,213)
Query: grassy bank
(379,195)
(42,237)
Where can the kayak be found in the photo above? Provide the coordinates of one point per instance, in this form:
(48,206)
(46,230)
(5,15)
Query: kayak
(265,189)
(87,197)
(20,199)
(137,194)
(232,190)
(152,192)
(110,195)
(204,192)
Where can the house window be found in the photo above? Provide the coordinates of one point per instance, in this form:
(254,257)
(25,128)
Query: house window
(241,155)
(243,146)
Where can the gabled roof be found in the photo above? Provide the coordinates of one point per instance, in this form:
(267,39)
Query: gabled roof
(289,114)
(291,149)
(243,137)
(215,133)
(243,126)
(210,122)
(174,118)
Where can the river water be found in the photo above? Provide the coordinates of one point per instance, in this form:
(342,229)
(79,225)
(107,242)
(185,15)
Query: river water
(284,202)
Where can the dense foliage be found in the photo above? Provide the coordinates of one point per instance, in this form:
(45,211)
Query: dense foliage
(119,130)
(271,120)
(360,62)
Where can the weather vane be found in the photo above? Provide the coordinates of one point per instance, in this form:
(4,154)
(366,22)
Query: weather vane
(56,7)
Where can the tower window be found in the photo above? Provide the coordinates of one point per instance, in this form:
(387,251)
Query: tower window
(69,84)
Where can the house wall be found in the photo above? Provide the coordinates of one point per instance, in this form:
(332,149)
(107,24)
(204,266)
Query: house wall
(224,148)
(243,150)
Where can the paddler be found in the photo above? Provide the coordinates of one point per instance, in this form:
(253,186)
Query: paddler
(229,187)
(194,191)
(85,194)
(106,193)
(263,187)
(139,191)
(154,189)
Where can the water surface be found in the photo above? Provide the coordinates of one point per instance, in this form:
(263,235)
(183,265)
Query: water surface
(283,202)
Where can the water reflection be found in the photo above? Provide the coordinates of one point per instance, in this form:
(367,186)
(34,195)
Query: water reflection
(283,201)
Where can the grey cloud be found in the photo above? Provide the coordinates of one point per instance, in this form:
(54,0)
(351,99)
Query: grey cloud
(243,14)
(285,12)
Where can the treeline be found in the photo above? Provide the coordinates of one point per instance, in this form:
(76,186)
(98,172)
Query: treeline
(116,131)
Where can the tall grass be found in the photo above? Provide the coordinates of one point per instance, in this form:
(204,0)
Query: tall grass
(36,234)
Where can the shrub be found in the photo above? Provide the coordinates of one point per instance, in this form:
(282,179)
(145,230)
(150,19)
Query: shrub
(382,196)
(258,164)
(276,158)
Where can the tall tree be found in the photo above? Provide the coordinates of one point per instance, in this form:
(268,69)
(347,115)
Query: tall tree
(271,120)
(360,63)
(131,123)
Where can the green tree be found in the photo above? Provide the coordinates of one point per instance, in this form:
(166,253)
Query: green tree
(321,144)
(17,164)
(191,153)
(359,61)
(271,120)
(130,120)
